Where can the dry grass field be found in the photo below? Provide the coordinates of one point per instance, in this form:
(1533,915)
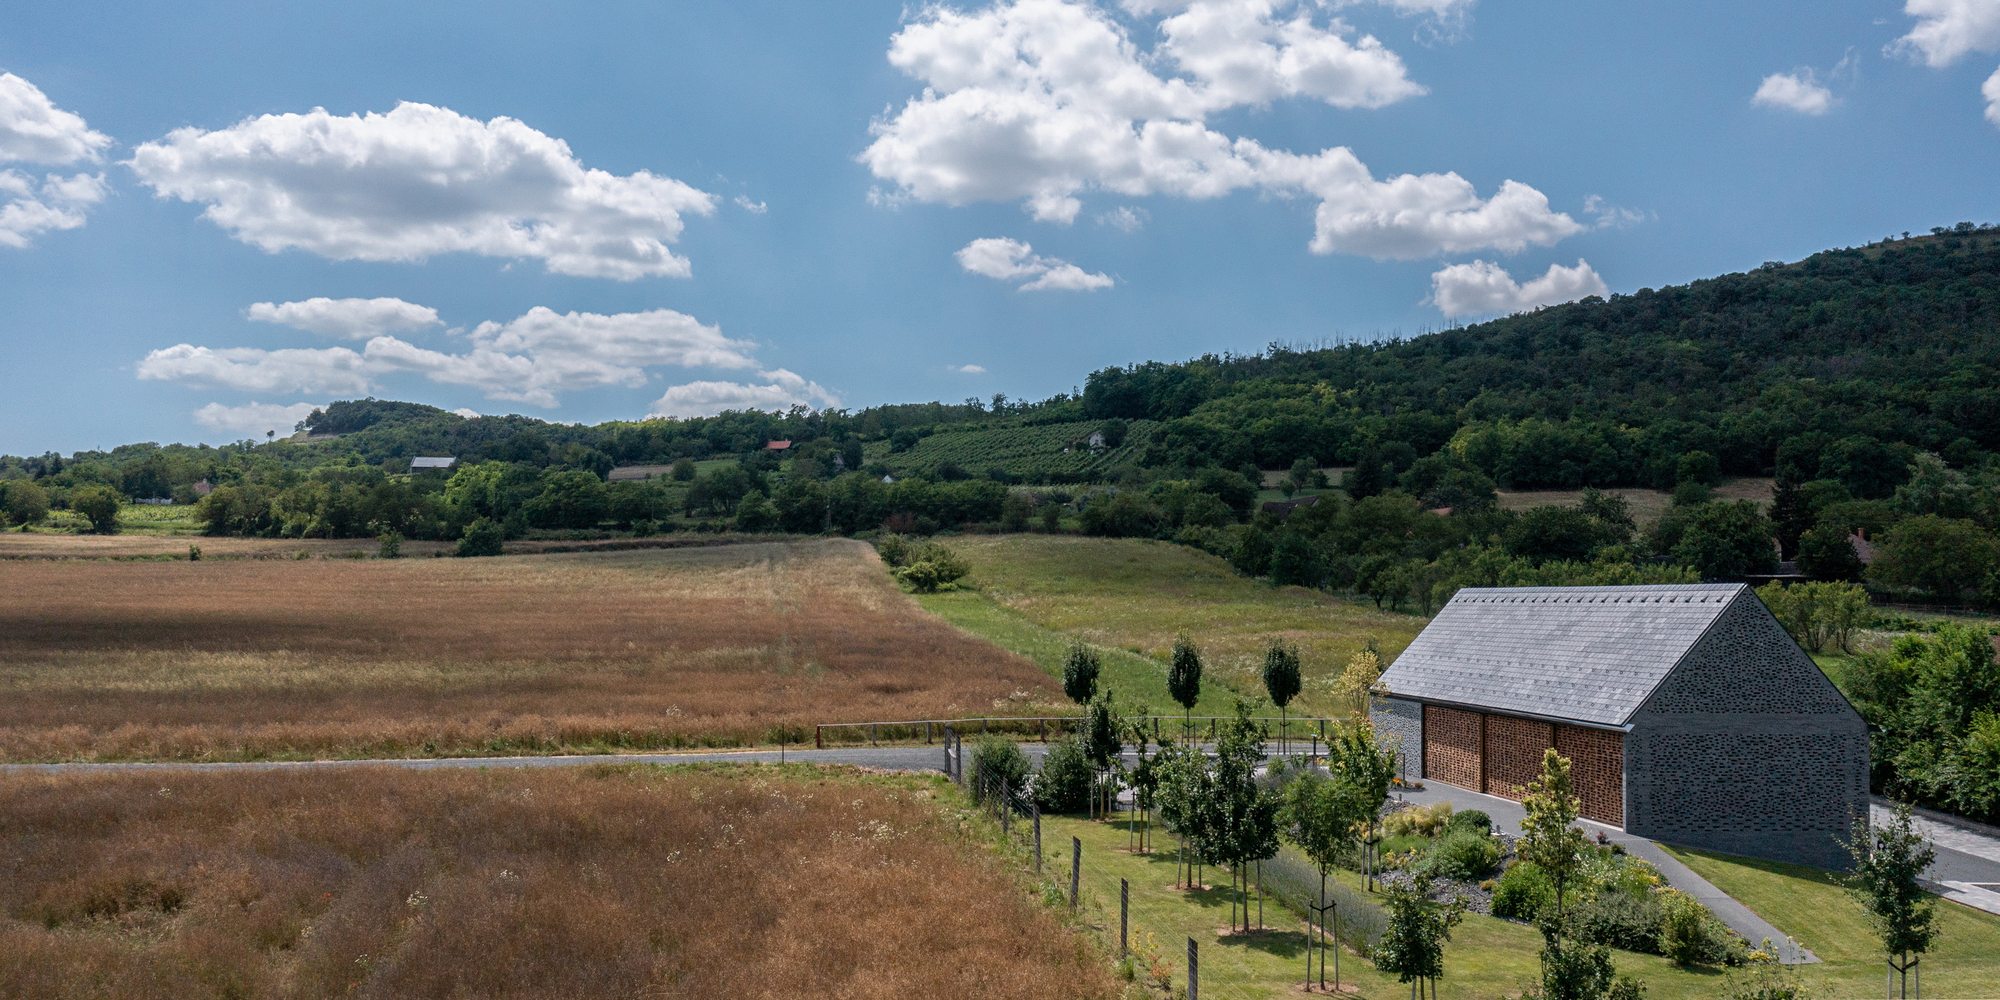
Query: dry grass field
(281,659)
(537,883)
(1647,505)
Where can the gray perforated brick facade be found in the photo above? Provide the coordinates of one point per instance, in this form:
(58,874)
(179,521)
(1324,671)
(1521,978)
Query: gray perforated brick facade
(1404,722)
(1722,732)
(1747,748)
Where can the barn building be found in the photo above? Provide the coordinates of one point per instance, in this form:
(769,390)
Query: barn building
(1688,714)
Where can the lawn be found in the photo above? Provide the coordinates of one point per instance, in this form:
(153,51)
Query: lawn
(1135,595)
(1486,957)
(577,652)
(1965,964)
(515,884)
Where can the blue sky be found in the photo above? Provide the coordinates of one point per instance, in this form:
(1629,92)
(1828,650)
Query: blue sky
(670,208)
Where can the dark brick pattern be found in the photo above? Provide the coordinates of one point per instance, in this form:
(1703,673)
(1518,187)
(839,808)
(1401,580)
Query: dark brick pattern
(1748,749)
(1402,722)
(1451,746)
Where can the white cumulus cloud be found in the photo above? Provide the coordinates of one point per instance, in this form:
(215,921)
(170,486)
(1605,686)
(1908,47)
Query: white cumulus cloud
(1948,29)
(782,391)
(467,412)
(1482,289)
(34,130)
(354,319)
(1044,101)
(1991,91)
(968,369)
(254,419)
(1795,91)
(531,359)
(422,180)
(1008,260)
(1124,218)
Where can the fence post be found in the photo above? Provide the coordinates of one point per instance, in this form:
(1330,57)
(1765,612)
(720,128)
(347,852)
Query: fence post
(927,731)
(1194,971)
(1006,809)
(818,743)
(871,734)
(1038,836)
(1075,869)
(1124,907)
(1043,726)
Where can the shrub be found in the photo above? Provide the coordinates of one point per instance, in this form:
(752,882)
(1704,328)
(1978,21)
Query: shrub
(1064,782)
(483,537)
(932,567)
(1462,854)
(1426,821)
(894,549)
(390,545)
(1622,920)
(1471,819)
(1689,934)
(99,505)
(1523,891)
(995,758)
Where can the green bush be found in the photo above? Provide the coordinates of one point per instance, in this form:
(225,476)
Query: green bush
(1522,892)
(1622,920)
(1064,783)
(483,537)
(1462,854)
(98,504)
(1471,819)
(932,567)
(995,758)
(390,545)
(1690,935)
(894,550)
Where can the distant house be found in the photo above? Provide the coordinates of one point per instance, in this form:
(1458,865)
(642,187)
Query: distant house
(432,463)
(777,445)
(1284,508)
(1687,713)
(1863,548)
(888,479)
(203,488)
(1095,440)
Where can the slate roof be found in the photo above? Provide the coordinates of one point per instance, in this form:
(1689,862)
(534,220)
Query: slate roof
(432,462)
(1588,654)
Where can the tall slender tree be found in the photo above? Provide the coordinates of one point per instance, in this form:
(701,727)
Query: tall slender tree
(1080,668)
(1184,677)
(1282,682)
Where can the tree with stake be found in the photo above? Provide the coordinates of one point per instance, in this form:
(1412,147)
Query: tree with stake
(1321,815)
(1355,756)
(1184,677)
(1080,667)
(1413,944)
(1282,681)
(1887,862)
(1101,745)
(1245,814)
(1187,799)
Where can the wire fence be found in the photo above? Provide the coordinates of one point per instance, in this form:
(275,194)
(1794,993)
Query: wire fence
(1042,728)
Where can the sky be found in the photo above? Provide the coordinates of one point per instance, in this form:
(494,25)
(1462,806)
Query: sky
(214,218)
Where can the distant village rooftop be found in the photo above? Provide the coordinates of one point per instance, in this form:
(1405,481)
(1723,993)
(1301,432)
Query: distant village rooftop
(432,462)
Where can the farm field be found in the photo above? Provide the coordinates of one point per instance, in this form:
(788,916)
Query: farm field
(1030,452)
(576,652)
(1134,595)
(1648,506)
(519,883)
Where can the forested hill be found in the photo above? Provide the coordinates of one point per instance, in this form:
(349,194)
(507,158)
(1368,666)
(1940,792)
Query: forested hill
(1842,366)
(1841,358)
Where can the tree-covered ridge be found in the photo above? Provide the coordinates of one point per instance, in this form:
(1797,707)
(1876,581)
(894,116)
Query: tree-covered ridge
(1895,345)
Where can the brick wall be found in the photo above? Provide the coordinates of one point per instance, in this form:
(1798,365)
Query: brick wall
(1597,770)
(1514,753)
(1501,754)
(1451,746)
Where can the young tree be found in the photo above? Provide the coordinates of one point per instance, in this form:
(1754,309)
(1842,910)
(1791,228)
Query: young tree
(1571,969)
(1322,815)
(1186,797)
(1184,677)
(1245,813)
(1364,668)
(1888,860)
(1080,668)
(1412,945)
(1101,742)
(1282,681)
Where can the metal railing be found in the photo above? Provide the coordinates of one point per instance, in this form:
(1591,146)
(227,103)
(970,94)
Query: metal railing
(1042,726)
